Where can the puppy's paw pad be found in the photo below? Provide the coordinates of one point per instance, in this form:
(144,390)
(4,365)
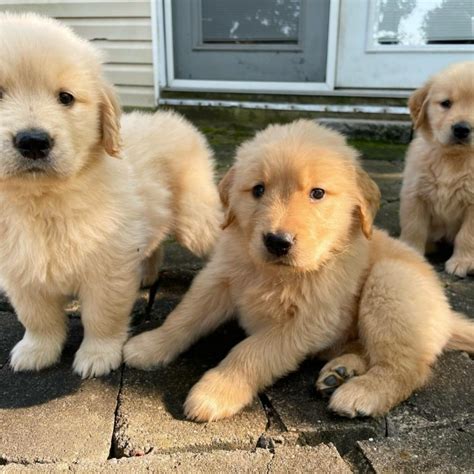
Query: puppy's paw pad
(28,355)
(329,380)
(460,267)
(97,361)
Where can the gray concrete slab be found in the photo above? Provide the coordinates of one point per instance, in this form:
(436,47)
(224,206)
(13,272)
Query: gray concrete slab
(53,415)
(5,303)
(301,410)
(150,414)
(53,421)
(11,332)
(434,451)
(322,459)
(447,401)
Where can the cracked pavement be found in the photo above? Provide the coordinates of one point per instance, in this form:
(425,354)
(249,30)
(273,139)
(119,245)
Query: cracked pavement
(132,421)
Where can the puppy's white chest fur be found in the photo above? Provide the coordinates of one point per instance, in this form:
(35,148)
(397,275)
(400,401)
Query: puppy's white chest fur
(267,298)
(263,302)
(57,242)
(447,189)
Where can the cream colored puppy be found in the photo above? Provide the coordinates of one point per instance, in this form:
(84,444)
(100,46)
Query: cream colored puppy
(74,219)
(437,196)
(299,263)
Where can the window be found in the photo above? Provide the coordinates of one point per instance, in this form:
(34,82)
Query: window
(415,24)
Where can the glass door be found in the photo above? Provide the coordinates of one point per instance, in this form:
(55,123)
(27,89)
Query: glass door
(250,44)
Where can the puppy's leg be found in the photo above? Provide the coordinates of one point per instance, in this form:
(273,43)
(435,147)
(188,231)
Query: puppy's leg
(204,307)
(151,267)
(414,222)
(106,308)
(251,365)
(197,208)
(45,329)
(462,261)
(350,363)
(403,326)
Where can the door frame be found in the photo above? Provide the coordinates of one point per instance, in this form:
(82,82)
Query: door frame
(164,68)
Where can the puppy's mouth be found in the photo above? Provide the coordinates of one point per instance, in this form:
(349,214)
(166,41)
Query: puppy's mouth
(270,259)
(460,141)
(27,167)
(280,263)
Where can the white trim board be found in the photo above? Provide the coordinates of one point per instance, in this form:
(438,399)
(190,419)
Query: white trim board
(165,25)
(325,108)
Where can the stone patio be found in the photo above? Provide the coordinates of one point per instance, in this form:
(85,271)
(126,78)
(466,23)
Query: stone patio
(132,421)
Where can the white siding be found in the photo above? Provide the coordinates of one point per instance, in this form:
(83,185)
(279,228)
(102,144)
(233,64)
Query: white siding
(121,28)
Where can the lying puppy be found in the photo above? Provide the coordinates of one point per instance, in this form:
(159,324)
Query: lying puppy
(74,220)
(298,261)
(437,196)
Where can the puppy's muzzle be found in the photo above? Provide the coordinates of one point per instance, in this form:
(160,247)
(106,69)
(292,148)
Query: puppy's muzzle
(279,243)
(34,144)
(461,131)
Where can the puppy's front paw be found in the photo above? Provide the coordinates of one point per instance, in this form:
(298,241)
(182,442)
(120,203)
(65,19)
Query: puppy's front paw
(34,353)
(459,266)
(97,357)
(147,350)
(217,396)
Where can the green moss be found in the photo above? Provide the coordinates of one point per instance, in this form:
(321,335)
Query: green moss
(374,150)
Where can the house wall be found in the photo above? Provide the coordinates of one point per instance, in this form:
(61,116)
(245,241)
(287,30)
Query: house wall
(121,28)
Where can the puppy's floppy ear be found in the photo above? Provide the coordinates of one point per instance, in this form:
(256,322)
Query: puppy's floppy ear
(110,120)
(224,189)
(417,104)
(369,200)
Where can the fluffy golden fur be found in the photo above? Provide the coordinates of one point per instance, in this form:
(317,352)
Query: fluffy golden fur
(80,221)
(365,301)
(437,196)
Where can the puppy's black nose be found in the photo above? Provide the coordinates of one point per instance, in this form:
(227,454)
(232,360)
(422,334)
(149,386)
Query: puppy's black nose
(278,244)
(461,130)
(33,143)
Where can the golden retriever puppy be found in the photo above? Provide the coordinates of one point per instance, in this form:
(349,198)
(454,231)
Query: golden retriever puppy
(437,196)
(74,219)
(300,264)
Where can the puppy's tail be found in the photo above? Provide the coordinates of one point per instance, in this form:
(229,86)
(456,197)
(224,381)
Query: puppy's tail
(462,333)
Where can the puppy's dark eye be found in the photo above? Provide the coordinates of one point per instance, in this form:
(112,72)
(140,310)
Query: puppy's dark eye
(1,93)
(446,104)
(317,193)
(66,98)
(258,191)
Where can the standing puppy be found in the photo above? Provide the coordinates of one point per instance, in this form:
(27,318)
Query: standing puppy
(300,264)
(74,219)
(437,196)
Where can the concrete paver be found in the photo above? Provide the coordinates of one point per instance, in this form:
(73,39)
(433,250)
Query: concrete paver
(448,399)
(12,331)
(434,451)
(196,463)
(53,421)
(150,414)
(302,410)
(53,415)
(321,459)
